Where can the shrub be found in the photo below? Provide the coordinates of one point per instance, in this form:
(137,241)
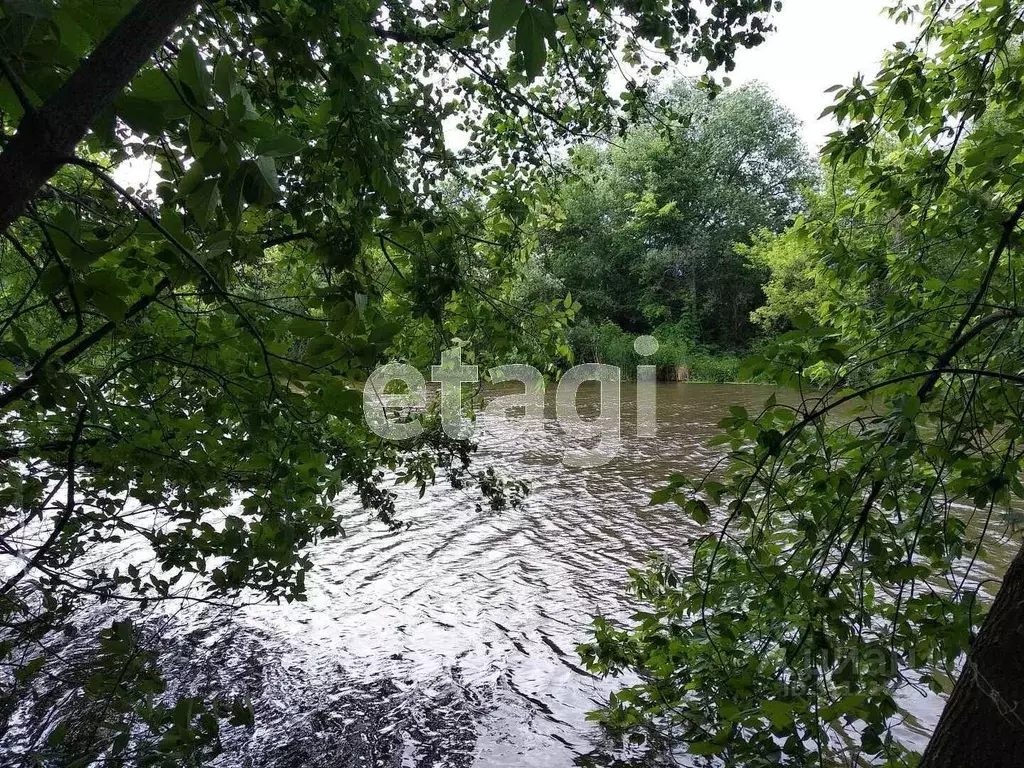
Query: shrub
(608,343)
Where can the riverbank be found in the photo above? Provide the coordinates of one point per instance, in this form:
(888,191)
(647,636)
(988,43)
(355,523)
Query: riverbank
(675,355)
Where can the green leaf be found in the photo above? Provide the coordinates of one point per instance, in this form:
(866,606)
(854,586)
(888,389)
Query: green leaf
(280,146)
(662,495)
(142,114)
(28,671)
(831,352)
(530,43)
(306,328)
(120,742)
(502,16)
(241,111)
(112,306)
(803,321)
(739,412)
(714,490)
(779,713)
(224,80)
(192,74)
(342,400)
(232,195)
(57,736)
(698,510)
(268,173)
(21,340)
(8,371)
(193,177)
(241,712)
(152,85)
(204,201)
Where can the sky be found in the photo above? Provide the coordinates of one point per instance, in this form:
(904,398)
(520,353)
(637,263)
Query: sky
(817,44)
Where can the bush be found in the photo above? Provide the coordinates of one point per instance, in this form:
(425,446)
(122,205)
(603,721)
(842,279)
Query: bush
(608,343)
(716,369)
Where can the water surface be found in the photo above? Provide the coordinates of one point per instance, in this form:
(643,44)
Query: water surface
(467,621)
(452,643)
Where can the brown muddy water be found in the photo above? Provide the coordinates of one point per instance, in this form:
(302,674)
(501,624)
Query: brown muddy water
(452,643)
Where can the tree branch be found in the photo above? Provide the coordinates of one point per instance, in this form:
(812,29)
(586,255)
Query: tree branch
(31,381)
(47,137)
(19,91)
(65,516)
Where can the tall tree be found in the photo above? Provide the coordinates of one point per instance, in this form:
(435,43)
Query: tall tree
(649,226)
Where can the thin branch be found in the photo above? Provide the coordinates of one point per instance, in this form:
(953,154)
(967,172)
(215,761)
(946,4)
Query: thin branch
(31,381)
(65,516)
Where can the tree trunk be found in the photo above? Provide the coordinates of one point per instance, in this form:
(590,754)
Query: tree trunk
(47,137)
(983,722)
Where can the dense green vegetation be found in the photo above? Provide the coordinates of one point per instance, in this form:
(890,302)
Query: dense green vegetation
(644,232)
(678,356)
(842,571)
(181,362)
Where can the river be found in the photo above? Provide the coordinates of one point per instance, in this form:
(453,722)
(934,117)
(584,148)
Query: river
(467,622)
(451,643)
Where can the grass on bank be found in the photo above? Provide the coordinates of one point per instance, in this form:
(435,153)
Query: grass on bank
(677,357)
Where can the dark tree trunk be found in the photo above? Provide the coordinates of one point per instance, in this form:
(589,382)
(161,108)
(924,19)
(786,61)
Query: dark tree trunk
(47,137)
(983,722)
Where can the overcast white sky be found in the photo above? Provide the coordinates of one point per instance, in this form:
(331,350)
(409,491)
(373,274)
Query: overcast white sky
(818,43)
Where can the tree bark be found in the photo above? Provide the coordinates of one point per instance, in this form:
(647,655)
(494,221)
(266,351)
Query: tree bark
(48,136)
(983,721)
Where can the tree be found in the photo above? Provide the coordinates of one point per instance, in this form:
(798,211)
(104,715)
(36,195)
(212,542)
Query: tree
(852,522)
(648,227)
(797,281)
(182,363)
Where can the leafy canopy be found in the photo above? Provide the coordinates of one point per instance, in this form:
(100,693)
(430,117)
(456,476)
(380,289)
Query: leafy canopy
(181,364)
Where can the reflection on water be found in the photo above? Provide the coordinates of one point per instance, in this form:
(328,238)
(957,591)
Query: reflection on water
(472,618)
(452,643)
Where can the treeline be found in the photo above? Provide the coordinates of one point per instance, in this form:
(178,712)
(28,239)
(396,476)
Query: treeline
(652,231)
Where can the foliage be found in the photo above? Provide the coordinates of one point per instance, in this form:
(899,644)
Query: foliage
(796,283)
(645,230)
(607,343)
(182,362)
(799,281)
(848,526)
(713,368)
